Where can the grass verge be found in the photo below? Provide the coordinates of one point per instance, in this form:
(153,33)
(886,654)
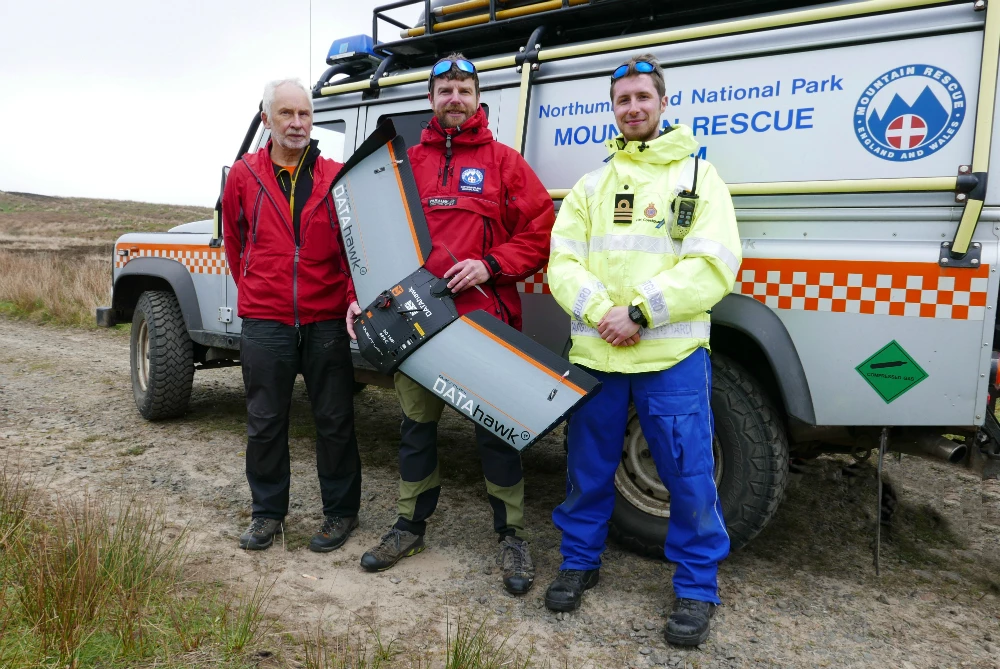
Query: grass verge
(54,288)
(95,583)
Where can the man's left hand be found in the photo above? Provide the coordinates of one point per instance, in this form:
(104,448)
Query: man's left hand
(466,274)
(617,328)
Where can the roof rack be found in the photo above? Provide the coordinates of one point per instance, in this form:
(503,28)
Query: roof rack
(480,28)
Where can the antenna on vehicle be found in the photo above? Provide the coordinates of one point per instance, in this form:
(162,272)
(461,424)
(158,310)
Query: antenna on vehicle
(310,41)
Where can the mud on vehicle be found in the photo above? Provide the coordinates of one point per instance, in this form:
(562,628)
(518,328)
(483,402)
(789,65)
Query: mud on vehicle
(856,139)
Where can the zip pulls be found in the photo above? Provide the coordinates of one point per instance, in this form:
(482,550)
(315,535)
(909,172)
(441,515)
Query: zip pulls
(447,159)
(295,291)
(447,152)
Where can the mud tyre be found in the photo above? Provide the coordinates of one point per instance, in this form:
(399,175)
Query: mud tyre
(751,467)
(162,357)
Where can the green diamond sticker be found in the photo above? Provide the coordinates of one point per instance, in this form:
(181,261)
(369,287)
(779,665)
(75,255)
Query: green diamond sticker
(891,371)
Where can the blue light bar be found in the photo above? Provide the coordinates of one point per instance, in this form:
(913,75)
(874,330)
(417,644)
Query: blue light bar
(355,47)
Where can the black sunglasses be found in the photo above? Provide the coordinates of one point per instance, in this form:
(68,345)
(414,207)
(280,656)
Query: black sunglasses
(447,65)
(641,67)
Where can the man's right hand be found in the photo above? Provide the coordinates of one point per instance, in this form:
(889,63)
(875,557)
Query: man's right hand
(618,329)
(353,311)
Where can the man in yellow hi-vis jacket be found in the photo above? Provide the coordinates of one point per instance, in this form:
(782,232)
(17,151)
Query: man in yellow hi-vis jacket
(642,249)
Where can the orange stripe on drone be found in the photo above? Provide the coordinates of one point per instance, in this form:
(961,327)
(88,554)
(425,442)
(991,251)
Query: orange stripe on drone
(406,205)
(524,357)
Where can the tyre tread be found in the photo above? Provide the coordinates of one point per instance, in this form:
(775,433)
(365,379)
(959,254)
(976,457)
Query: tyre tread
(171,368)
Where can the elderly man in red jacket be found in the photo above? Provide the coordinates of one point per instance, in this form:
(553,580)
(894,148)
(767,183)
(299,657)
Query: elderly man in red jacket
(485,207)
(282,243)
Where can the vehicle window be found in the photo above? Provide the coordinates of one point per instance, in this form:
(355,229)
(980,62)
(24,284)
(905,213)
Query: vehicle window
(410,124)
(330,135)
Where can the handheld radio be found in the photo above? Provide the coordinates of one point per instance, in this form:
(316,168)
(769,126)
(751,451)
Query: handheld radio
(685,201)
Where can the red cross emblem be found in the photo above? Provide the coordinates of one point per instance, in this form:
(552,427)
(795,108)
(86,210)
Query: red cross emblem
(906,131)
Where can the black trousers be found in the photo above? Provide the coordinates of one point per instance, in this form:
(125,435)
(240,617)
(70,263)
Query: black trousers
(272,355)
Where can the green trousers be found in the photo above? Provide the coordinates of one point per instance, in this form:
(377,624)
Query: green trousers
(419,474)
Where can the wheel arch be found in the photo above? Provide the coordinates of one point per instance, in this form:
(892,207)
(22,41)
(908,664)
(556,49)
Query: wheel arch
(751,334)
(144,274)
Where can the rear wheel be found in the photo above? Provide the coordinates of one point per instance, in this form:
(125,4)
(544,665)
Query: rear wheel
(162,357)
(751,467)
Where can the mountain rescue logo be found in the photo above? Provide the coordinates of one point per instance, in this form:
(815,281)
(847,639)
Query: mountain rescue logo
(909,113)
(471,180)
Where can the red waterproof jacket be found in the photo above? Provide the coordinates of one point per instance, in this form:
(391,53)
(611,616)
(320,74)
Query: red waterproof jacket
(482,201)
(276,280)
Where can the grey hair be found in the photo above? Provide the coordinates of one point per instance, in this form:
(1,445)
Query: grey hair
(272,87)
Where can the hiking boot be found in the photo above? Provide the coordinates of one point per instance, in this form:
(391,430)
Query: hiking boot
(260,534)
(688,624)
(565,593)
(395,545)
(333,534)
(518,569)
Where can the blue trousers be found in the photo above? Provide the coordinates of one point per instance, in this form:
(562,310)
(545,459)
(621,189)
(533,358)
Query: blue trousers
(676,419)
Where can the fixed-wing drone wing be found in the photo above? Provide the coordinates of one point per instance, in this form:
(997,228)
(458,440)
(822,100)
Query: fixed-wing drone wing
(488,371)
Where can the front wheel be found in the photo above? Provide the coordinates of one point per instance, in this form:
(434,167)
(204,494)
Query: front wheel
(162,356)
(751,467)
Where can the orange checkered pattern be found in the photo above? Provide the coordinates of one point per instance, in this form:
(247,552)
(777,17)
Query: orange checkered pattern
(537,284)
(198,259)
(923,290)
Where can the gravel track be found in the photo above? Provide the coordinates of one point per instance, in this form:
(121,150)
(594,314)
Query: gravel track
(802,594)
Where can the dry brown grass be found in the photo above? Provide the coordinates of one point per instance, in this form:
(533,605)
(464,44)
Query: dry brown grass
(50,287)
(55,252)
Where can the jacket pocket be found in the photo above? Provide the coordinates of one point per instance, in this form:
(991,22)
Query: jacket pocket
(683,423)
(246,259)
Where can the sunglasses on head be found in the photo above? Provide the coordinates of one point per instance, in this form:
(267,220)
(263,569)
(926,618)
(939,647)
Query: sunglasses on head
(447,65)
(641,67)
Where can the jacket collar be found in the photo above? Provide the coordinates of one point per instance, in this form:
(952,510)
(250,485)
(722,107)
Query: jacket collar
(676,143)
(474,131)
(311,154)
(261,166)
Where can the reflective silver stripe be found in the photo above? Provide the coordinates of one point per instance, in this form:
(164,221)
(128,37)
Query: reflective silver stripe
(657,304)
(689,330)
(710,247)
(643,243)
(591,179)
(577,248)
(583,298)
(686,178)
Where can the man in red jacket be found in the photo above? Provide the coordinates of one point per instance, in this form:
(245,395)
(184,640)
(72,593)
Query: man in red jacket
(485,207)
(282,247)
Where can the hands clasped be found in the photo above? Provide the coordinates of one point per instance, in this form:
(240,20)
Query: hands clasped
(618,329)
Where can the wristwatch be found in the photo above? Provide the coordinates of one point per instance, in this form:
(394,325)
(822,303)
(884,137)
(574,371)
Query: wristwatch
(635,313)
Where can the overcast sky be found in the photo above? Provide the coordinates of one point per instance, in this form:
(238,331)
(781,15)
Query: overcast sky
(147,100)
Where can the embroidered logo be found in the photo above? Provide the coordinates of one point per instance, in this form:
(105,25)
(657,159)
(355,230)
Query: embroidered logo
(650,211)
(441,202)
(397,291)
(623,207)
(471,180)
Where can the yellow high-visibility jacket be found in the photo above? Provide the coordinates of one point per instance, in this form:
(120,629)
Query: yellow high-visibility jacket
(597,263)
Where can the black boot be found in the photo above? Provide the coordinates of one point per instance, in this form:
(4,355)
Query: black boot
(565,593)
(688,624)
(260,535)
(518,569)
(333,534)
